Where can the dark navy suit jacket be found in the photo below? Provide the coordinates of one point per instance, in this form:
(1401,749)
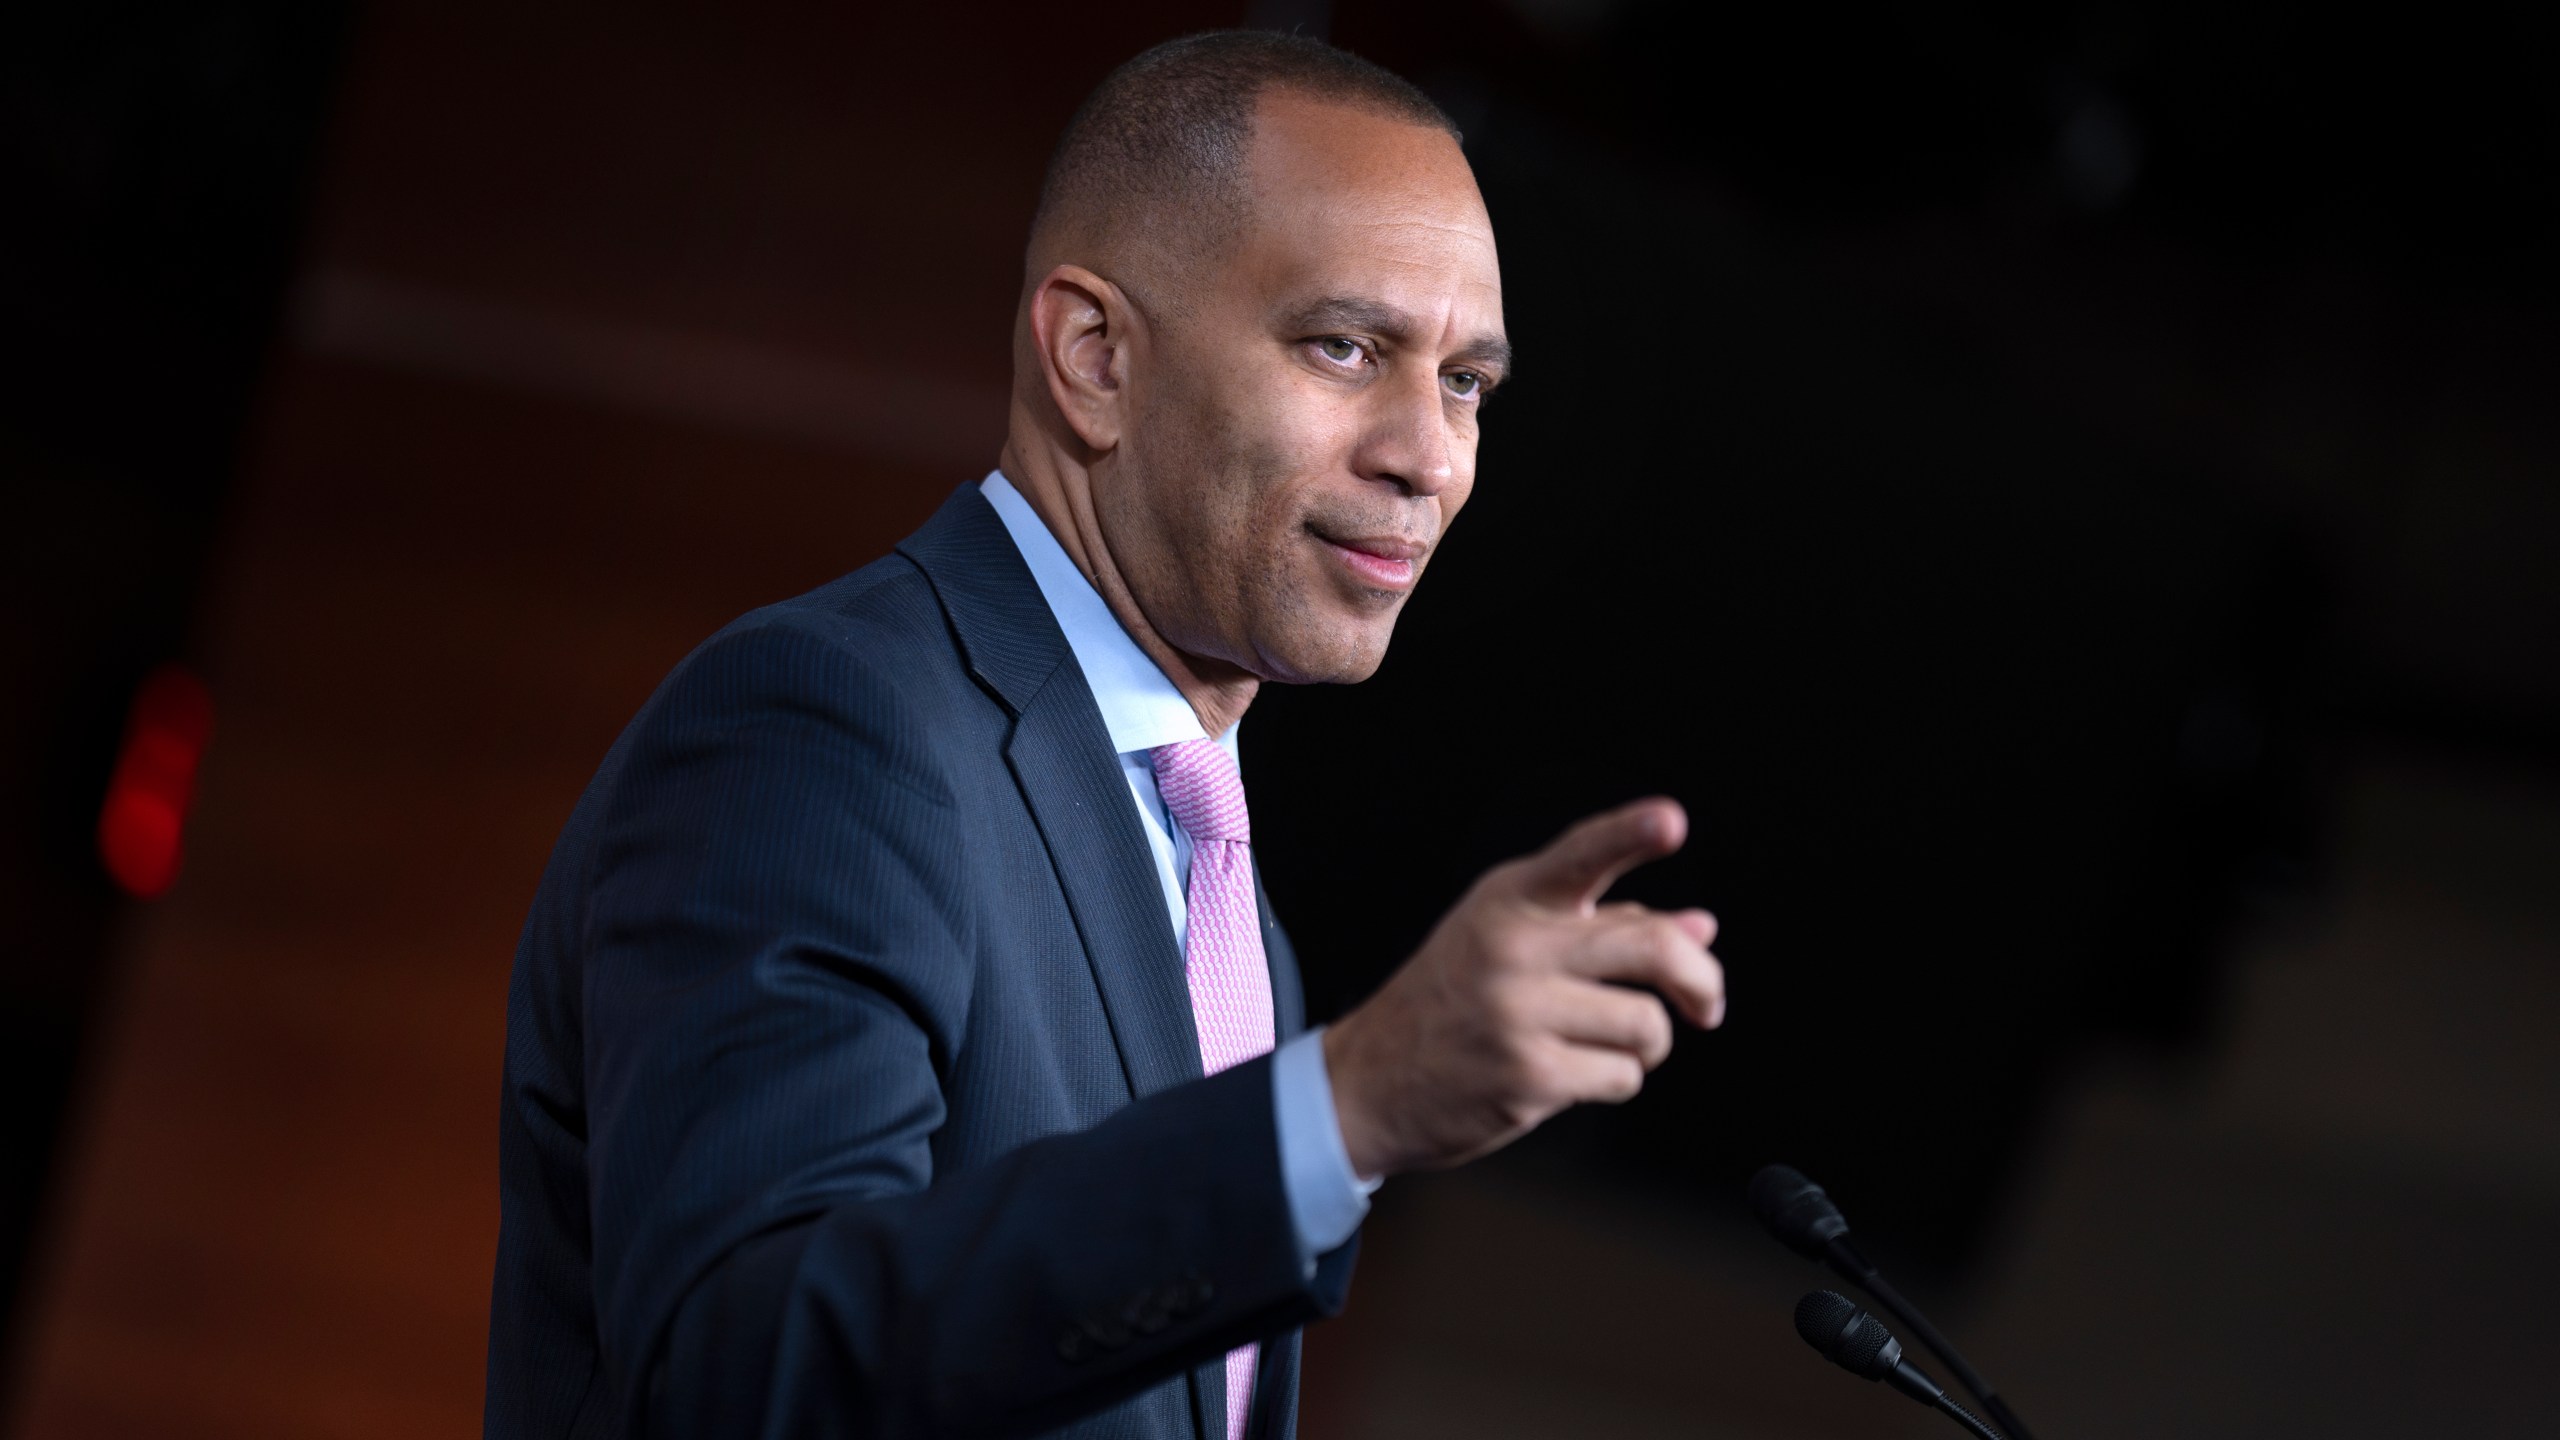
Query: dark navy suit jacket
(851,1086)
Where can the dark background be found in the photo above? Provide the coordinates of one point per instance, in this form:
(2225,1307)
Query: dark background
(2065,494)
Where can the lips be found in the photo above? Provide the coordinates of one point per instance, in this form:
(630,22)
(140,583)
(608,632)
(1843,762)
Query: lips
(1383,562)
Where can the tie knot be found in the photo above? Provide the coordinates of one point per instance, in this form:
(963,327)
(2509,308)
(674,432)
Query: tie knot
(1203,789)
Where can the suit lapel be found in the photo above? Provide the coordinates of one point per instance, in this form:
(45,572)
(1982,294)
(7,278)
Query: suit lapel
(1288,996)
(1069,773)
(1275,1390)
(1062,759)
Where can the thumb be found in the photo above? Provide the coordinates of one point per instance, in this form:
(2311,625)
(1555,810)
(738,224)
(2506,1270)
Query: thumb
(1580,865)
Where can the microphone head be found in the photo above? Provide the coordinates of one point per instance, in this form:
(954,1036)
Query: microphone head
(1796,1211)
(1847,1336)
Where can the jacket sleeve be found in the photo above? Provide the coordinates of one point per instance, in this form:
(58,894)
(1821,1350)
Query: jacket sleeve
(778,943)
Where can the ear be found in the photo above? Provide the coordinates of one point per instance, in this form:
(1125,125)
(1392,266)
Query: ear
(1082,329)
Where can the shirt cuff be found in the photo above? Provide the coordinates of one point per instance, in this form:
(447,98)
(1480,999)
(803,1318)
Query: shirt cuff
(1326,1200)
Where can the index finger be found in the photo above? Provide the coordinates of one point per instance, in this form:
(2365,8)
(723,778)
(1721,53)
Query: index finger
(1579,866)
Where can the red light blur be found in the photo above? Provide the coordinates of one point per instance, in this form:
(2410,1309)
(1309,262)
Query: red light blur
(141,825)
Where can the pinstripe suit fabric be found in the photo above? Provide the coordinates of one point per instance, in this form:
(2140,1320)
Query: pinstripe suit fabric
(851,1083)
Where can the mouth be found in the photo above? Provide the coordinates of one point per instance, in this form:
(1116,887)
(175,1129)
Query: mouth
(1380,562)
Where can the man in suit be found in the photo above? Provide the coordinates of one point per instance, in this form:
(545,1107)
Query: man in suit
(891,1049)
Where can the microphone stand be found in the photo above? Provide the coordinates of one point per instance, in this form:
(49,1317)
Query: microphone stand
(1965,1418)
(1854,1268)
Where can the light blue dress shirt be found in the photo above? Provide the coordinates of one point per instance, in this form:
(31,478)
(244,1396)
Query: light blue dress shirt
(1142,710)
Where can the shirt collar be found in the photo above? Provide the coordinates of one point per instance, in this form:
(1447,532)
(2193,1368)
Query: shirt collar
(1140,706)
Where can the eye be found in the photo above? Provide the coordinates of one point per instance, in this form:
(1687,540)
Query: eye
(1339,349)
(1465,384)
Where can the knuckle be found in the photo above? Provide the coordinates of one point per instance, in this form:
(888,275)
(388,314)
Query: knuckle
(1655,1033)
(1520,1110)
(1665,949)
(1537,1081)
(1673,939)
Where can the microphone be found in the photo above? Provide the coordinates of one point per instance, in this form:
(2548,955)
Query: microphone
(1801,1215)
(1797,1211)
(1858,1343)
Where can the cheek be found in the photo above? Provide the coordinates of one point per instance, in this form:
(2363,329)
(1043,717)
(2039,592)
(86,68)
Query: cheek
(1274,454)
(1254,448)
(1307,432)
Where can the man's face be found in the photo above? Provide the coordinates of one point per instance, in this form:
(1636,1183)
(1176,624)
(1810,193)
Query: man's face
(1304,429)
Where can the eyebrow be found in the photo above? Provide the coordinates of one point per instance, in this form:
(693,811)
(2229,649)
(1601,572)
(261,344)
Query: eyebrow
(1351,312)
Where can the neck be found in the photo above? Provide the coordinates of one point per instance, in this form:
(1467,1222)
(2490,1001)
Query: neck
(1059,489)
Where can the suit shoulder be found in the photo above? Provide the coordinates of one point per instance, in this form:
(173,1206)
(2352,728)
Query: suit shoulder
(881,621)
(886,611)
(869,652)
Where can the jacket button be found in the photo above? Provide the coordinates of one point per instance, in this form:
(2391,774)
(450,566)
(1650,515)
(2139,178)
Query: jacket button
(1149,1313)
(1073,1347)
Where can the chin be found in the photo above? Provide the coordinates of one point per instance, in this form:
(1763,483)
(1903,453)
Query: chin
(1344,657)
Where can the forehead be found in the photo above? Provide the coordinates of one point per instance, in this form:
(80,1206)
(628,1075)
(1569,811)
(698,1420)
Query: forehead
(1350,202)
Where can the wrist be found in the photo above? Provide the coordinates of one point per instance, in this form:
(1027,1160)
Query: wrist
(1361,1141)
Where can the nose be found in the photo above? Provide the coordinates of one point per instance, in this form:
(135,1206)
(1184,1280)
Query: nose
(1408,444)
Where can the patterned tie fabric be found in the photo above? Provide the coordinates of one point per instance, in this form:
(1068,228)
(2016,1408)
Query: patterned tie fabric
(1222,954)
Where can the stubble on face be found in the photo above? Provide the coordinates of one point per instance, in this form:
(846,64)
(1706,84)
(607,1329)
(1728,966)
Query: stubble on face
(1213,500)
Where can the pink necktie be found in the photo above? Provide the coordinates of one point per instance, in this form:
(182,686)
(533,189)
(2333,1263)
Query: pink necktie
(1222,955)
